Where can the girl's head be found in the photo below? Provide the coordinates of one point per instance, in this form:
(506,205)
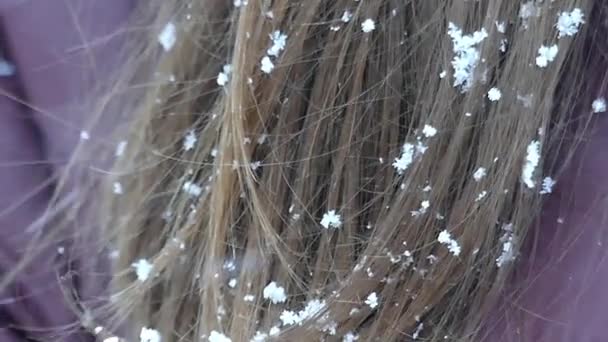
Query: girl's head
(338,170)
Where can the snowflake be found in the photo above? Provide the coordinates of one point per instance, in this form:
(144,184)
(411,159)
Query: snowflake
(218,337)
(407,156)
(331,220)
(429,131)
(599,105)
(417,331)
(568,23)
(346,16)
(481,196)
(494,94)
(350,337)
(190,141)
(224,76)
(479,174)
(274,293)
(547,186)
(466,55)
(546,54)
(445,238)
(368,25)
(84,135)
(527,11)
(167,36)
(117,188)
(149,335)
(508,246)
(279,40)
(192,189)
(372,300)
(120,148)
(143,269)
(267,65)
(501,26)
(532,161)
(259,337)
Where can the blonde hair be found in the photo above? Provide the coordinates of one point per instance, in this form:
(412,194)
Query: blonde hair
(338,169)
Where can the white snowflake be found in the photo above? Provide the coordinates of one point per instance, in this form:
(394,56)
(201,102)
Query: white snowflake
(224,76)
(508,246)
(168,36)
(466,55)
(346,16)
(546,54)
(368,25)
(479,174)
(532,161)
(429,131)
(417,331)
(143,269)
(331,220)
(289,317)
(528,10)
(267,65)
(407,156)
(192,189)
(279,41)
(501,26)
(481,196)
(568,23)
(149,335)
(494,94)
(274,293)
(547,186)
(215,336)
(350,337)
(259,337)
(372,300)
(120,148)
(84,135)
(117,188)
(424,206)
(445,238)
(190,141)
(503,45)
(599,105)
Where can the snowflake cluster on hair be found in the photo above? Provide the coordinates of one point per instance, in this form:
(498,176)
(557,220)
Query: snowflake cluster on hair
(168,36)
(466,55)
(278,40)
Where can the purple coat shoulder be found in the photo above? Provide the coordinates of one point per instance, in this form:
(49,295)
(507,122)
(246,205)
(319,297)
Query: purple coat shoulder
(52,54)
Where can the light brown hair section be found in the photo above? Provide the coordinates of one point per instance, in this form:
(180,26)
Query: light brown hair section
(320,132)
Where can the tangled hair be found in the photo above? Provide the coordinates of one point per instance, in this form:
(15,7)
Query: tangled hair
(338,169)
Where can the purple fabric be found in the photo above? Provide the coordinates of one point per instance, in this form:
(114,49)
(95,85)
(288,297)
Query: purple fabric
(61,50)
